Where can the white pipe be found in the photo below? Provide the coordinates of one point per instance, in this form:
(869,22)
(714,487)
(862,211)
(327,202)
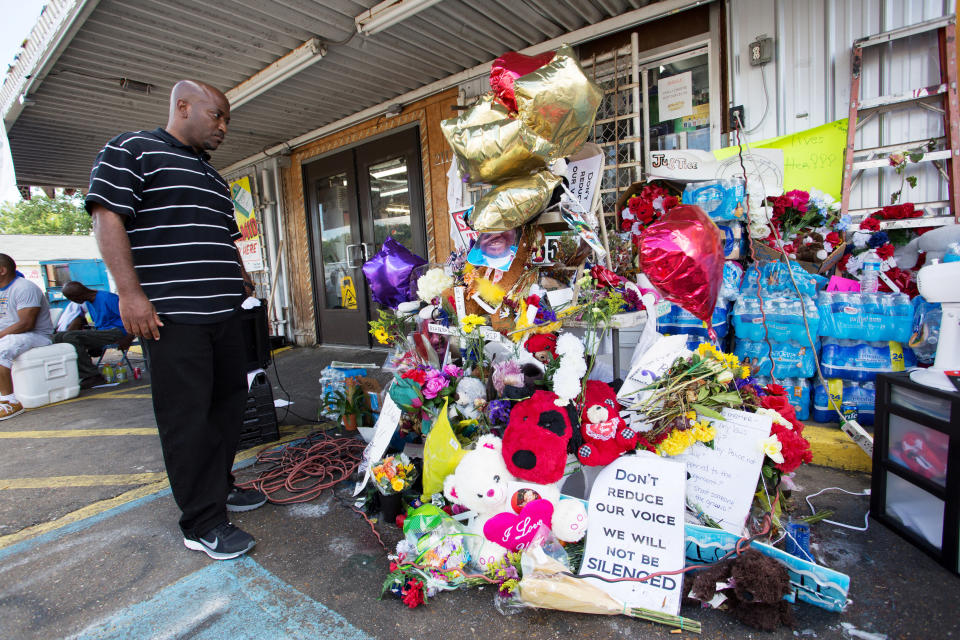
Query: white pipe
(281,261)
(638,133)
(268,204)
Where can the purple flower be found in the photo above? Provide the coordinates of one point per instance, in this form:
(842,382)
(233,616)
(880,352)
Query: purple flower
(498,411)
(453,371)
(435,384)
(507,373)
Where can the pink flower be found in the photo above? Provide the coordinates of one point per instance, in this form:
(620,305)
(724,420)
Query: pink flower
(435,384)
(453,371)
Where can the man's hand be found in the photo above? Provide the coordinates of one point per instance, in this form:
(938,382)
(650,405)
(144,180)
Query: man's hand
(139,317)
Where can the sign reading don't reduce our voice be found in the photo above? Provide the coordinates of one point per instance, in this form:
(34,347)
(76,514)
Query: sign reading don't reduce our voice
(637,531)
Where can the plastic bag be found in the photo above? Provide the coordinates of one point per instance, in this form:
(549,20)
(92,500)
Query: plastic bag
(441,455)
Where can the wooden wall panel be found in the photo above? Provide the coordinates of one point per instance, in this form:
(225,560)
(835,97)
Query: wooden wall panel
(427,113)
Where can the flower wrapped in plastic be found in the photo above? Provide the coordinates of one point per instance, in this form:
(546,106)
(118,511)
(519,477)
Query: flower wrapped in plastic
(394,474)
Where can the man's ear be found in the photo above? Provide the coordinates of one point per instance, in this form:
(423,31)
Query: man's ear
(183,108)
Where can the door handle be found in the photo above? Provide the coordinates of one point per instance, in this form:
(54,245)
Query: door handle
(368,250)
(351,255)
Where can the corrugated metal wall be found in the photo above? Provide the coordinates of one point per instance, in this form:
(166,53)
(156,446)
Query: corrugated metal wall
(808,83)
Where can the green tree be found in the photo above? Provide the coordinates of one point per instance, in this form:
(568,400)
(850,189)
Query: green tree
(63,215)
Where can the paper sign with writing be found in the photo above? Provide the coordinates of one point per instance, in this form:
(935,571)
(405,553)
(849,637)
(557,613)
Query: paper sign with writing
(460,232)
(383,431)
(721,481)
(675,96)
(636,529)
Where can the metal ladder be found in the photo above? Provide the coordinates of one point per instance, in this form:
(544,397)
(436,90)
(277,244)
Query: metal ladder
(930,98)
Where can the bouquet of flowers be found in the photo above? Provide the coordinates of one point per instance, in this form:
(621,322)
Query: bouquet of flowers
(423,389)
(869,236)
(645,208)
(392,328)
(394,474)
(678,406)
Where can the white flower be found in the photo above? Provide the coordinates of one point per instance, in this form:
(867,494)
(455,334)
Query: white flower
(432,284)
(572,368)
(758,230)
(860,238)
(775,416)
(773,448)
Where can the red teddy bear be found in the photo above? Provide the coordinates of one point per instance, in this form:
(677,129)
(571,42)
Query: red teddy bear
(605,434)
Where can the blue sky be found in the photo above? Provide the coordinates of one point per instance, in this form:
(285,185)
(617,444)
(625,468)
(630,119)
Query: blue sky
(19,16)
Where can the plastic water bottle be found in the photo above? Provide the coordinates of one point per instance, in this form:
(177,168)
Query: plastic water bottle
(870,279)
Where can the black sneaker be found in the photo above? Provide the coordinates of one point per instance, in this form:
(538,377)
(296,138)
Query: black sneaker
(223,542)
(245,499)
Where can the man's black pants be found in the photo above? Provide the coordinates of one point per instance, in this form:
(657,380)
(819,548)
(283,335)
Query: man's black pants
(199,391)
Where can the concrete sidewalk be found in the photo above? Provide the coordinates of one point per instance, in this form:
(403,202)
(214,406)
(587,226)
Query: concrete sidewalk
(90,548)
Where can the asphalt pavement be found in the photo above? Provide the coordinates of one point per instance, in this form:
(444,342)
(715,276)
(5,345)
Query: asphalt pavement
(89,547)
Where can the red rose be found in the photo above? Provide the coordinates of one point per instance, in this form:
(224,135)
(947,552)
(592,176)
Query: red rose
(834,238)
(885,251)
(796,448)
(775,389)
(842,265)
(417,375)
(669,202)
(870,224)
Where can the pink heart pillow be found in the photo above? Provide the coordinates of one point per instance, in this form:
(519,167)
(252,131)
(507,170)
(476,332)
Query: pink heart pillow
(516,531)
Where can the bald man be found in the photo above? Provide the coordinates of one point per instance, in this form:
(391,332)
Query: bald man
(164,222)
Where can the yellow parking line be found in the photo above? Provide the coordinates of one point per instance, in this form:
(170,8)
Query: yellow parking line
(60,482)
(78,433)
(134,494)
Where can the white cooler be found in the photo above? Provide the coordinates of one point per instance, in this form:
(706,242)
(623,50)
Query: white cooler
(46,374)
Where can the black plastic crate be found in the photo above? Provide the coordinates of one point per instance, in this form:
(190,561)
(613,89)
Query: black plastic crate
(259,414)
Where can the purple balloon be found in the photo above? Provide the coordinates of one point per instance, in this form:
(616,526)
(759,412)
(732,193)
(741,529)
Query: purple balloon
(388,273)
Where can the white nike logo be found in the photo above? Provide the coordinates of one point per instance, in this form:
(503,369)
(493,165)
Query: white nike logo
(212,545)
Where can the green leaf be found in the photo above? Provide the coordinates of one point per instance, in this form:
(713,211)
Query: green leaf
(707,411)
(912,181)
(727,397)
(767,471)
(703,393)
(915,156)
(895,196)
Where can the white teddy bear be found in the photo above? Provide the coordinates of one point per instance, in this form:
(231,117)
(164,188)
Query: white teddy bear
(482,484)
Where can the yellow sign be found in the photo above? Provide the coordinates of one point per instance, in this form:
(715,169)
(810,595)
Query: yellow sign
(812,159)
(348,294)
(243,208)
(896,356)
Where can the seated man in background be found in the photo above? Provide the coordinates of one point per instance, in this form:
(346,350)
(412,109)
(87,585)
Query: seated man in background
(24,324)
(73,318)
(104,309)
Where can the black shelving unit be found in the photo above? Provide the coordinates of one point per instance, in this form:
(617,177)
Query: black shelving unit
(915,488)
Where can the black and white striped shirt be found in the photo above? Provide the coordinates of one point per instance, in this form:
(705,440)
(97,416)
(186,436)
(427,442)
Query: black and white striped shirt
(179,218)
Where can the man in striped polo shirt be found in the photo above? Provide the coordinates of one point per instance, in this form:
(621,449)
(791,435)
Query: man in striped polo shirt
(165,226)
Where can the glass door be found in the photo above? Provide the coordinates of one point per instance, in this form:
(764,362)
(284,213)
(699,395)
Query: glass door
(356,199)
(391,193)
(338,252)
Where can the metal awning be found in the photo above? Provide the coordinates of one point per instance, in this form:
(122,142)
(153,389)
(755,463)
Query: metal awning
(74,100)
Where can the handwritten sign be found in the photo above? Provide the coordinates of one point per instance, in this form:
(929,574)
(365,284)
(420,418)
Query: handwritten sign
(383,431)
(721,481)
(460,232)
(810,157)
(636,529)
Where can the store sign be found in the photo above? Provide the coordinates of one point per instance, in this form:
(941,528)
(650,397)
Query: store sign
(637,529)
(249,245)
(722,481)
(675,96)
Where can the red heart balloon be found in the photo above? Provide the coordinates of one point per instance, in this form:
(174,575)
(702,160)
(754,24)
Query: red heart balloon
(508,68)
(682,255)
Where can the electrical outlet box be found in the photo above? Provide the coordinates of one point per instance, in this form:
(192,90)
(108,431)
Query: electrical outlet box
(760,51)
(734,113)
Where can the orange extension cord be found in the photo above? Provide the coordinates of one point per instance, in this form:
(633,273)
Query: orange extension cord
(301,472)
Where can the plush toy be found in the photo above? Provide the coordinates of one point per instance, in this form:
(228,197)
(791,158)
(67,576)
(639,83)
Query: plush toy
(605,434)
(543,346)
(751,586)
(480,483)
(471,398)
(535,441)
(812,248)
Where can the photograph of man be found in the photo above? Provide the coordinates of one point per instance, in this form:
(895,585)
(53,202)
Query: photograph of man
(495,250)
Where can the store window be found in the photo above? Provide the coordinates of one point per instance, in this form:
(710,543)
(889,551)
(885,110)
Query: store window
(678,99)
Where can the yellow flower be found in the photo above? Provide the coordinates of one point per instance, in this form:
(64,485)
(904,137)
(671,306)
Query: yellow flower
(382,336)
(397,484)
(704,431)
(744,372)
(677,442)
(705,349)
(471,322)
(691,415)
(773,448)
